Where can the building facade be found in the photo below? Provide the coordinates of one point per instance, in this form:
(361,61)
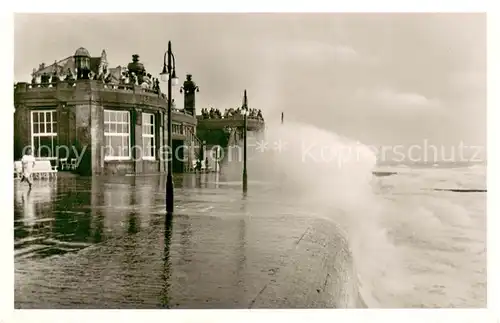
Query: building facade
(108,126)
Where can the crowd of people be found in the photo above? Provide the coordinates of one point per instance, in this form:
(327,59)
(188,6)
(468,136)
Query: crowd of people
(230,113)
(146,81)
(46,79)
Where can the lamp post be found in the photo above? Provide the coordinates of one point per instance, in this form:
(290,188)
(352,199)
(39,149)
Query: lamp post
(168,74)
(245,115)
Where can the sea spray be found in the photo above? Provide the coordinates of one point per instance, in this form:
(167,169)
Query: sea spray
(333,175)
(405,245)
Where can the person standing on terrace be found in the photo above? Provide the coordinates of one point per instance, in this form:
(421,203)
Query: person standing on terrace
(28,162)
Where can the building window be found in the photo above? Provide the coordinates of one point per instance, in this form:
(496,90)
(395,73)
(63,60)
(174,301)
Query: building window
(117,135)
(44,133)
(148,136)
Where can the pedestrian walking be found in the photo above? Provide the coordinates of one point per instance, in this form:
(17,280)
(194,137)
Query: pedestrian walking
(28,162)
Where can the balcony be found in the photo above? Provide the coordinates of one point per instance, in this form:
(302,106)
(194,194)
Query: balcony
(253,123)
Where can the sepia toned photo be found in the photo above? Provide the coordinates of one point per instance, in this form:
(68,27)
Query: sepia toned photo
(250,161)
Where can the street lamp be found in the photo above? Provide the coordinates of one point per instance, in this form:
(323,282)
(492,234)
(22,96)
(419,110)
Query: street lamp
(168,75)
(245,116)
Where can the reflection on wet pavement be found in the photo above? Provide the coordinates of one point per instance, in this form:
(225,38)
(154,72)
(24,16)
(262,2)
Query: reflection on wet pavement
(106,243)
(69,214)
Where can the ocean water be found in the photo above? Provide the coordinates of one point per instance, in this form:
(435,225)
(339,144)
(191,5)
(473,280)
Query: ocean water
(435,240)
(408,244)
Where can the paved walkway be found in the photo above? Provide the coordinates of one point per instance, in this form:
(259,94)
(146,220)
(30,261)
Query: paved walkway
(240,259)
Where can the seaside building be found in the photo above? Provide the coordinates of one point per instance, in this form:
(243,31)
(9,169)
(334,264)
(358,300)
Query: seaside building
(108,120)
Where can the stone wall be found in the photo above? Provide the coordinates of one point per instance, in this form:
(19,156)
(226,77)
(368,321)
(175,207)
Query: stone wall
(118,167)
(22,130)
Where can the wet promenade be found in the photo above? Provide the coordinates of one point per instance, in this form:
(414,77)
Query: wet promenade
(106,243)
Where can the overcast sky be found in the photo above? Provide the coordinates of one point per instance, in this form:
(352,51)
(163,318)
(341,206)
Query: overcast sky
(379,78)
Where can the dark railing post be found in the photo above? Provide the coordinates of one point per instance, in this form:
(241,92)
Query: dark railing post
(245,176)
(170,180)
